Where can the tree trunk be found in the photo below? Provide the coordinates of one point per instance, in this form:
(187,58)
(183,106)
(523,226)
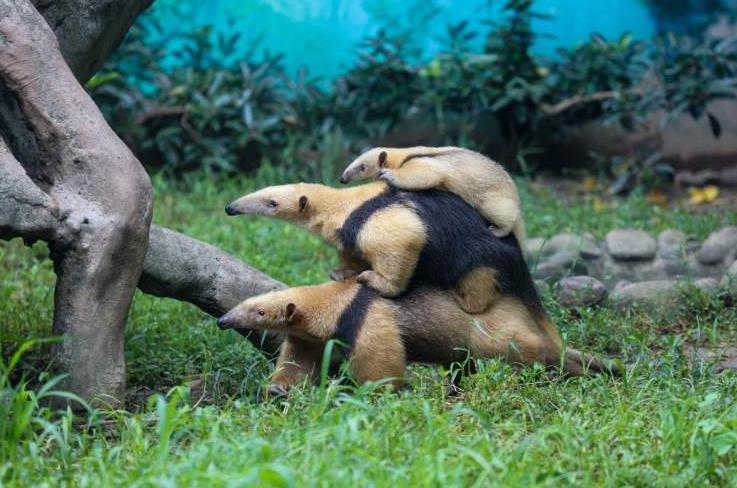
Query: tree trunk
(66,178)
(81,190)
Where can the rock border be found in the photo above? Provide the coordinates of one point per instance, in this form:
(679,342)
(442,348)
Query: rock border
(631,268)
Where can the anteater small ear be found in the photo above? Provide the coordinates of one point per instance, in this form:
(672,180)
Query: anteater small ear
(291,311)
(302,203)
(382,159)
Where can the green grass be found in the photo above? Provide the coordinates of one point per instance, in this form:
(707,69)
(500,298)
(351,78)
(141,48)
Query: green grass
(667,422)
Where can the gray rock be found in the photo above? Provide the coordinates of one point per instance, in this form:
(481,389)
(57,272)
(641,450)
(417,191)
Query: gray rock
(731,272)
(670,268)
(621,284)
(580,291)
(560,264)
(646,294)
(708,285)
(723,357)
(610,270)
(580,245)
(697,269)
(534,247)
(630,244)
(671,244)
(583,245)
(720,245)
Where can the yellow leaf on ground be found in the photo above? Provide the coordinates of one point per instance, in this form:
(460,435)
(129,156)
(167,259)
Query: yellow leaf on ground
(589,184)
(657,197)
(711,192)
(707,194)
(599,204)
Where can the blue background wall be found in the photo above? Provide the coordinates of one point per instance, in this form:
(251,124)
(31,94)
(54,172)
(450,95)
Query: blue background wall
(323,34)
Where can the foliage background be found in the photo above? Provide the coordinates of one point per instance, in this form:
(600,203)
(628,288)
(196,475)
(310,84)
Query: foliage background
(184,101)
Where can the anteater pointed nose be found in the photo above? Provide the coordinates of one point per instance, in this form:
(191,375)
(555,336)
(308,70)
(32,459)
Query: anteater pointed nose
(343,179)
(230,209)
(226,321)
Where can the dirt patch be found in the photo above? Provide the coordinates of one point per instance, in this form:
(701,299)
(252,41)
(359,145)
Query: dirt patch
(723,355)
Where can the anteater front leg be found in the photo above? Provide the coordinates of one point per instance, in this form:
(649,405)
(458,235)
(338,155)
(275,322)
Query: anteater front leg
(391,269)
(350,266)
(391,242)
(298,359)
(417,174)
(378,353)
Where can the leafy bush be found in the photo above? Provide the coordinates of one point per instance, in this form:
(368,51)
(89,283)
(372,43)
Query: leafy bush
(199,112)
(374,95)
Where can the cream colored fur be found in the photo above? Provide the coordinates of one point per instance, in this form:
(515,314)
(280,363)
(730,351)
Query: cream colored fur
(481,182)
(389,243)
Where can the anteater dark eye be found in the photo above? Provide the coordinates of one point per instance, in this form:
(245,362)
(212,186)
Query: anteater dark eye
(362,167)
(272,203)
(261,312)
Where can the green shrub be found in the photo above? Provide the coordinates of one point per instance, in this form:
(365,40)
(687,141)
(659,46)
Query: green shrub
(205,110)
(198,114)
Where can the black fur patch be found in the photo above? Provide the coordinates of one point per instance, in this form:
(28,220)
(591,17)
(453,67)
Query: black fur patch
(424,155)
(350,321)
(458,241)
(356,220)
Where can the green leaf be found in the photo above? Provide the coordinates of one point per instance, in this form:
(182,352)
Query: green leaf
(723,443)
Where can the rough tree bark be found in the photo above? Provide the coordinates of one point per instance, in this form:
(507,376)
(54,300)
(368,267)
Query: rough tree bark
(67,179)
(97,203)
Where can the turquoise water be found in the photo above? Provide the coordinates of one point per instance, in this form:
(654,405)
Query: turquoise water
(323,34)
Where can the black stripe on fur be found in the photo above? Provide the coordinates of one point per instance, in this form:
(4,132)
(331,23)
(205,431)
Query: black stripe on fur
(424,155)
(350,321)
(357,219)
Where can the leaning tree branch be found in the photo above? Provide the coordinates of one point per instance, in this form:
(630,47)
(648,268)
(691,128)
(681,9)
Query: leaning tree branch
(582,99)
(26,210)
(189,270)
(161,113)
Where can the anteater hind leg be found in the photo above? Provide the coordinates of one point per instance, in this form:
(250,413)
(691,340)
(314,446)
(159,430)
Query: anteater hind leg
(298,359)
(477,290)
(503,213)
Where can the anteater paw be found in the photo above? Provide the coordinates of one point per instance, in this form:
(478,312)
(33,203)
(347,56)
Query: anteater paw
(342,274)
(498,231)
(365,277)
(388,176)
(276,390)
